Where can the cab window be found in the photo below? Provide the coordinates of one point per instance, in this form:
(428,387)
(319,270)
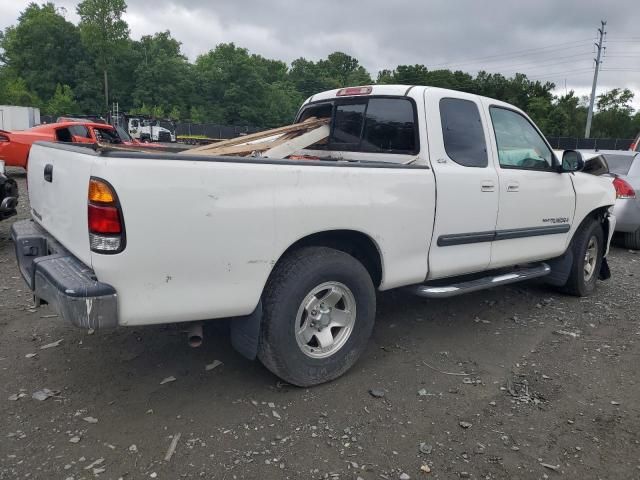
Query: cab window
(372,124)
(519,143)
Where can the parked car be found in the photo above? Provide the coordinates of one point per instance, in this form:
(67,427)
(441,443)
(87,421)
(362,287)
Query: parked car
(435,191)
(8,194)
(15,146)
(625,166)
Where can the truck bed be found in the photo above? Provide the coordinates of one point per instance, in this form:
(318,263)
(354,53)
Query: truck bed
(203,233)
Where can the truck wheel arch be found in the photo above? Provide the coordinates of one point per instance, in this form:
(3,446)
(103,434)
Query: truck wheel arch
(245,331)
(599,214)
(561,266)
(357,244)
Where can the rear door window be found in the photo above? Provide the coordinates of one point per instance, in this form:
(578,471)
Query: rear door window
(462,132)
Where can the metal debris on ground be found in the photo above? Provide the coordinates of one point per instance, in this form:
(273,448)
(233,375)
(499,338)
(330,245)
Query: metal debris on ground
(44,394)
(212,365)
(376,392)
(425,448)
(566,333)
(172,447)
(94,464)
(168,380)
(52,344)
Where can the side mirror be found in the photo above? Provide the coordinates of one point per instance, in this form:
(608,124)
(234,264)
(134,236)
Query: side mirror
(572,161)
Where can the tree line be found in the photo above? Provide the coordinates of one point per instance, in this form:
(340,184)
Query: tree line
(49,62)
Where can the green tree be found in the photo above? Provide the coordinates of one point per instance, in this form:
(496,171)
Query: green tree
(238,88)
(309,78)
(345,70)
(614,117)
(164,76)
(42,48)
(14,91)
(104,33)
(62,101)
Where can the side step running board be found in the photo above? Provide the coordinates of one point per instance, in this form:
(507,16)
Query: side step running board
(518,275)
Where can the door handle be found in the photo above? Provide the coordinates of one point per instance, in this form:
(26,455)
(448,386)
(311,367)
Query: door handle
(513,187)
(488,186)
(48,173)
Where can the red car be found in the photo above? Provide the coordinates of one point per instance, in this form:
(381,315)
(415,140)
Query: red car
(15,146)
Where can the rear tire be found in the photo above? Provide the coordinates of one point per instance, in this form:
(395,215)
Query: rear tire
(632,240)
(310,294)
(588,248)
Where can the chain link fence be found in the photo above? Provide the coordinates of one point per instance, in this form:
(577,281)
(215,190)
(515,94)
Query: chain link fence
(571,143)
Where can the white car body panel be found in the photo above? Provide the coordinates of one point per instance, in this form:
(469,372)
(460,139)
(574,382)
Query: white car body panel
(203,245)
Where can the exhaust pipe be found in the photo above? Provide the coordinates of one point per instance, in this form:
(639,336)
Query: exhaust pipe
(194,334)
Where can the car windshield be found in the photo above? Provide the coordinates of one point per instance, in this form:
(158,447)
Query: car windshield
(105,135)
(619,164)
(124,135)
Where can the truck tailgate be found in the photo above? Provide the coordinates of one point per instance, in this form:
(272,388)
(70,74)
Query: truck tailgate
(58,184)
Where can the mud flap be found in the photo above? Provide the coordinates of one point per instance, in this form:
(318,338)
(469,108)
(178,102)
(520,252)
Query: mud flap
(560,269)
(605,272)
(245,333)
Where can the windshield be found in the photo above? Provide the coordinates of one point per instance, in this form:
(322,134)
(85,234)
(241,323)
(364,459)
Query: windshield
(104,135)
(619,164)
(124,135)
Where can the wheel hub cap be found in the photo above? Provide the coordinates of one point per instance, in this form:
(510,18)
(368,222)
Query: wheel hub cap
(325,319)
(590,258)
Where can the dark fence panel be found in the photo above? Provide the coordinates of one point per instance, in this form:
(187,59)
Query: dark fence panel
(568,143)
(212,130)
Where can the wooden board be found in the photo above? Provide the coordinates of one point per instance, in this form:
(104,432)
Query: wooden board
(290,146)
(308,124)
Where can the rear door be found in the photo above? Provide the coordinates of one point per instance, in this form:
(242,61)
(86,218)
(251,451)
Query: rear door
(466,183)
(537,203)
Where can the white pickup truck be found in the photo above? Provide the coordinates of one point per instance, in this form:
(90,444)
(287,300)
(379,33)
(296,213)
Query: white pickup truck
(436,191)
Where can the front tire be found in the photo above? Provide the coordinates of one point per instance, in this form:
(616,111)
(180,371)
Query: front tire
(318,314)
(588,248)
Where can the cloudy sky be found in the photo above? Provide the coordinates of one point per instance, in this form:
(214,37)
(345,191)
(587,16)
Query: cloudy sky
(546,39)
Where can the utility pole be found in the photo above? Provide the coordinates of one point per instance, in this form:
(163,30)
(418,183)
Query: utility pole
(587,131)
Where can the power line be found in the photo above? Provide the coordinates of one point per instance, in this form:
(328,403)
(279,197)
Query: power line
(514,53)
(560,74)
(542,65)
(542,62)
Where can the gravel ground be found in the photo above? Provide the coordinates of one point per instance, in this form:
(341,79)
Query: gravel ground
(517,382)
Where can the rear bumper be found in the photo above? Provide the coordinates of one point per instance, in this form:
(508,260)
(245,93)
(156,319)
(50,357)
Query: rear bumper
(627,213)
(61,280)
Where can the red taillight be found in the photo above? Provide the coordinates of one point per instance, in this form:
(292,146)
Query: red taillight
(344,92)
(104,220)
(623,189)
(104,215)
